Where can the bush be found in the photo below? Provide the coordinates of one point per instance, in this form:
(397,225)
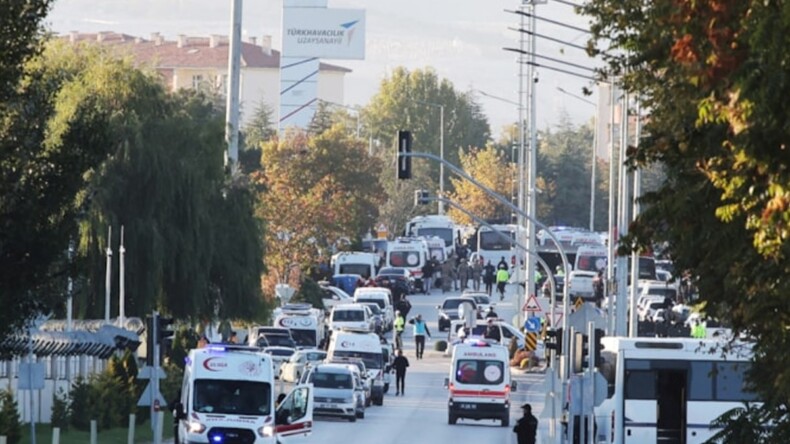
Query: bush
(61,410)
(311,293)
(84,404)
(10,423)
(440,345)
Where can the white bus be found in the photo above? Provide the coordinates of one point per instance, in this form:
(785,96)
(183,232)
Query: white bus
(669,390)
(492,247)
(435,225)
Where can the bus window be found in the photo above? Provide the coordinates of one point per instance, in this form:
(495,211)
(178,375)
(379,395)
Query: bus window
(730,382)
(700,383)
(640,384)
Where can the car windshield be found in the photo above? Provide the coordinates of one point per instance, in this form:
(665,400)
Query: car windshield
(373,305)
(592,263)
(392,271)
(280,340)
(304,338)
(360,269)
(452,304)
(316,356)
(445,233)
(666,292)
(378,303)
(279,351)
(232,397)
(482,300)
(371,360)
(493,241)
(331,380)
(348,316)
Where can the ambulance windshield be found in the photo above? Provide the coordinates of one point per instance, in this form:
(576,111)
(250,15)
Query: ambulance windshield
(230,397)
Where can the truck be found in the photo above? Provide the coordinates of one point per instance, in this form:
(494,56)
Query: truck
(228,395)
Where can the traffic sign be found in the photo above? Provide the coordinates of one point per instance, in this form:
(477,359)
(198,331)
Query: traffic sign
(557,321)
(31,376)
(147,398)
(578,304)
(532,304)
(531,341)
(532,324)
(147,371)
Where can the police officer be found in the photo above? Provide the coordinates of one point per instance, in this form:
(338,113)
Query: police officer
(526,428)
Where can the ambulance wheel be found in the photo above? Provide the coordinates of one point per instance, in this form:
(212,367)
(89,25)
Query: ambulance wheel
(506,421)
(452,419)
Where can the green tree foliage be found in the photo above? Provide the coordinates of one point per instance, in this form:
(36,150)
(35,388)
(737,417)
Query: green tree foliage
(309,292)
(10,423)
(402,104)
(61,410)
(318,190)
(712,75)
(490,167)
(564,171)
(20,35)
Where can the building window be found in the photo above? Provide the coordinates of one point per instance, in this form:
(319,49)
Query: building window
(197,82)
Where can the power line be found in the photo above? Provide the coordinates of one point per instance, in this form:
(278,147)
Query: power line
(567,3)
(572,45)
(552,59)
(554,22)
(583,76)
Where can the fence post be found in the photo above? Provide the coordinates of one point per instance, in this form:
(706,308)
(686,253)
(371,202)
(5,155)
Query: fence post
(93,432)
(130,436)
(3,439)
(160,418)
(55,435)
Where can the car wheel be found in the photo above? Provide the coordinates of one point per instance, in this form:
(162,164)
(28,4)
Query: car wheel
(506,421)
(452,419)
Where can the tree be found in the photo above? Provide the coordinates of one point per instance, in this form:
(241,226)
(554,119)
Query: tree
(317,190)
(490,167)
(407,100)
(20,36)
(712,75)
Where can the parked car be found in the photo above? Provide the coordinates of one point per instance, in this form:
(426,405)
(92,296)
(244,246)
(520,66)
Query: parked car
(335,391)
(279,355)
(294,368)
(448,311)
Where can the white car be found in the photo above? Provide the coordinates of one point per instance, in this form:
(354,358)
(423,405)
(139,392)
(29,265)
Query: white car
(354,316)
(481,298)
(293,369)
(279,356)
(333,296)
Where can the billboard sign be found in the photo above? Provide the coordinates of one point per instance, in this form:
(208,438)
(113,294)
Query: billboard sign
(324,33)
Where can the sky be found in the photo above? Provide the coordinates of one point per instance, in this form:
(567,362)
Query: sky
(461,40)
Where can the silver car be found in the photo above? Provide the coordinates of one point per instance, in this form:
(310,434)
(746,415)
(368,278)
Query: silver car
(335,391)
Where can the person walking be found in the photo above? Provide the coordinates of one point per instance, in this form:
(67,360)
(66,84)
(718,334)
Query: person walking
(463,274)
(477,272)
(501,280)
(502,265)
(489,276)
(427,277)
(420,331)
(398,325)
(400,363)
(526,428)
(447,275)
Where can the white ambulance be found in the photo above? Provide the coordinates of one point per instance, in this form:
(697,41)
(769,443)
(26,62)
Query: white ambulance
(479,382)
(306,324)
(228,395)
(362,263)
(354,344)
(589,260)
(409,253)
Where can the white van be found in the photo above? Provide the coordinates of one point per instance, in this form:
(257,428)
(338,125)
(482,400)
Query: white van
(354,316)
(228,394)
(479,382)
(348,344)
(409,253)
(589,260)
(305,323)
(355,262)
(380,296)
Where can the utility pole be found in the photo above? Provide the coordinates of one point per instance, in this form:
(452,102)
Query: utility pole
(521,121)
(122,284)
(108,276)
(632,329)
(531,191)
(622,225)
(234,75)
(612,205)
(441,154)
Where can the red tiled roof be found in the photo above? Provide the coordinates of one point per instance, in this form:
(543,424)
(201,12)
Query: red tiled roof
(196,52)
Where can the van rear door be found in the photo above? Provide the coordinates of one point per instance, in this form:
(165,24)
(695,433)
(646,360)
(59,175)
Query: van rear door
(294,417)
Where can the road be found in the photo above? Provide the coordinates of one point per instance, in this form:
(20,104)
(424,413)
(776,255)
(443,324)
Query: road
(421,415)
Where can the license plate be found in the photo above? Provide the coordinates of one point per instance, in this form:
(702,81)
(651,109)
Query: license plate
(465,406)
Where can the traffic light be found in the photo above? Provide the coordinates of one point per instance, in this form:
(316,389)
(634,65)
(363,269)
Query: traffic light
(580,352)
(164,329)
(162,335)
(421,197)
(597,347)
(404,162)
(554,340)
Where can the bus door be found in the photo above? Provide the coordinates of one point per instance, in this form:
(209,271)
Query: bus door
(655,401)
